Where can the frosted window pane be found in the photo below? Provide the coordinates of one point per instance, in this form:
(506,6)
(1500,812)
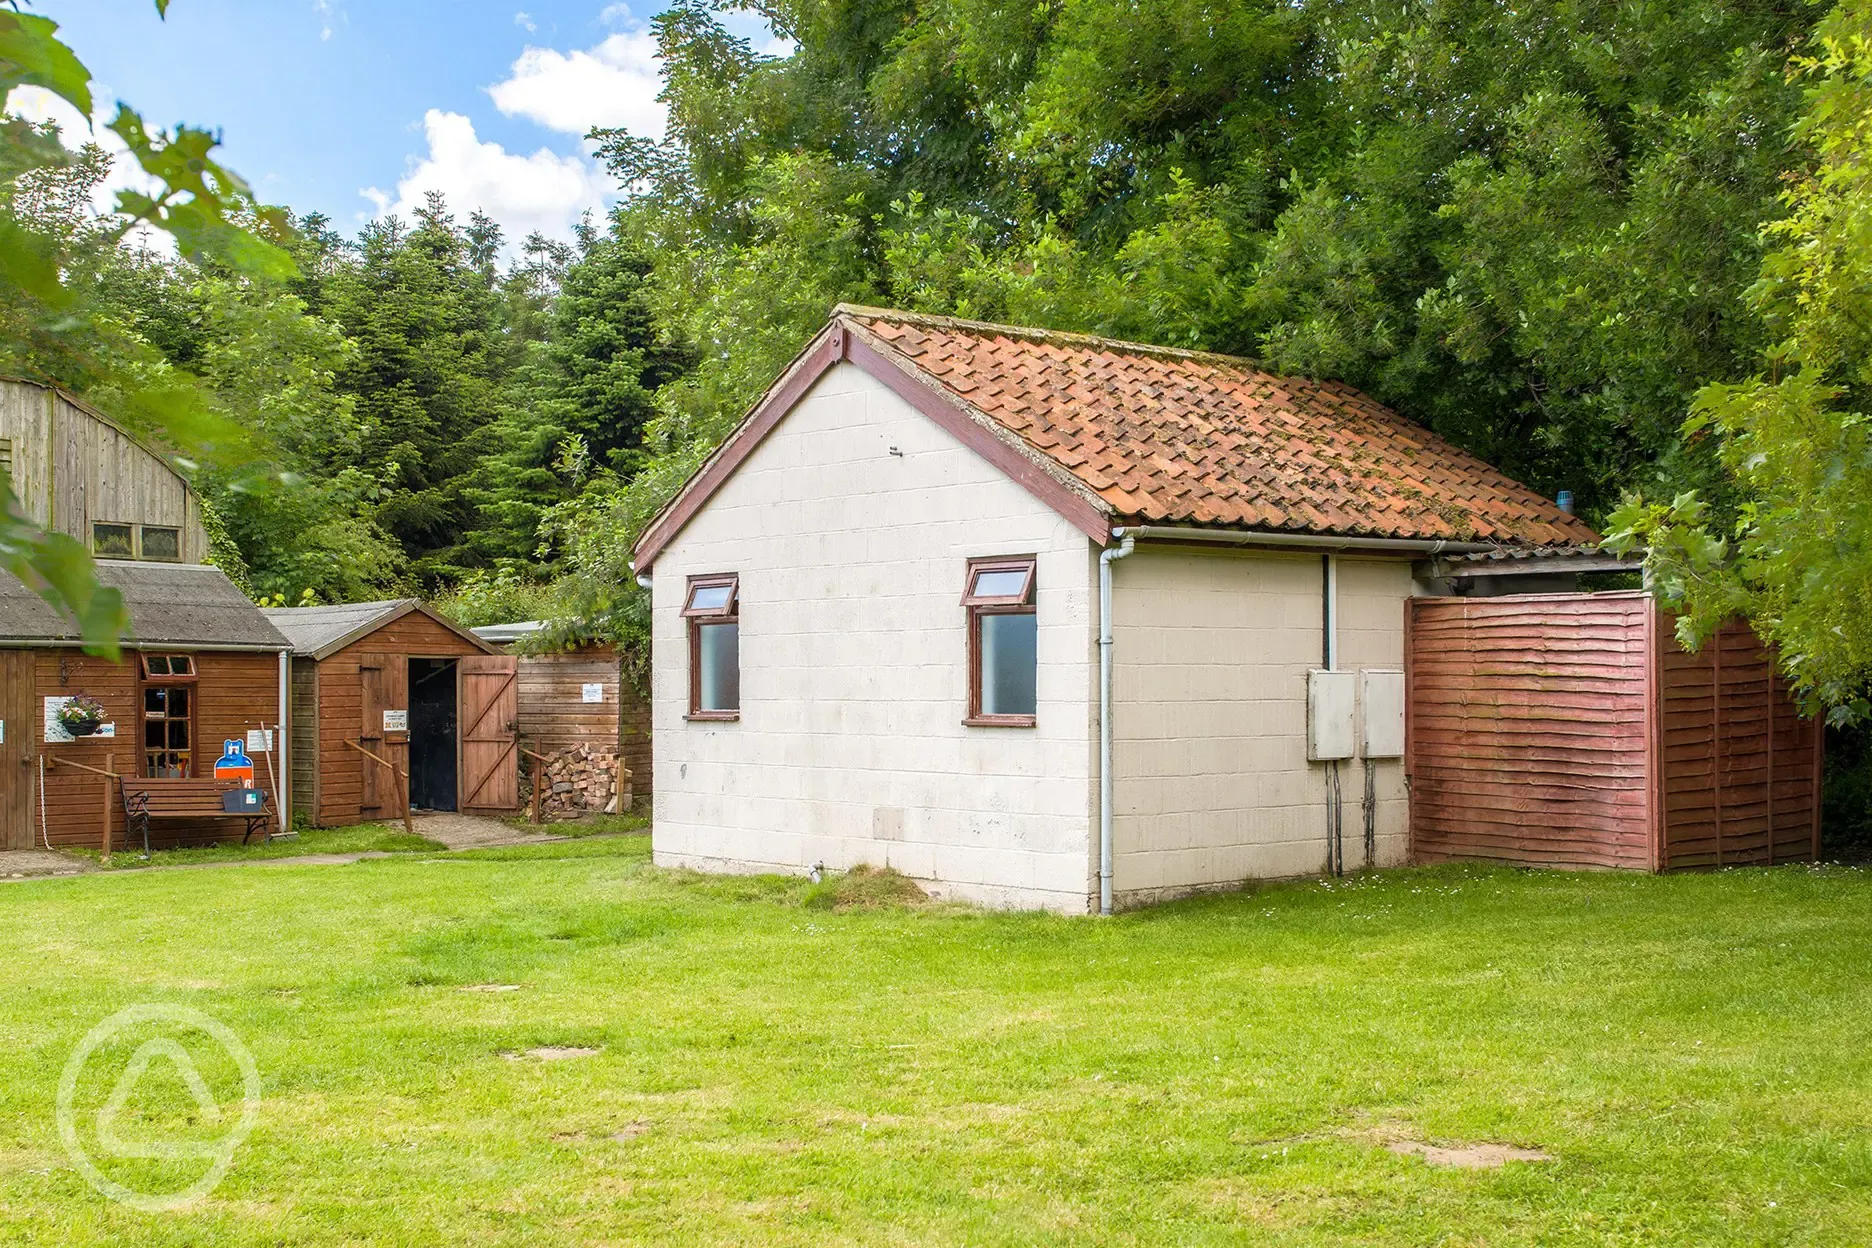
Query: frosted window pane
(1009,659)
(719,656)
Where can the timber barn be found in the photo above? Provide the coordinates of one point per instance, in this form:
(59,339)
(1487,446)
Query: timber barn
(201,666)
(395,707)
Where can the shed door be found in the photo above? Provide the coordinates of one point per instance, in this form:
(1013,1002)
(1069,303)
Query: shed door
(383,681)
(18,751)
(490,716)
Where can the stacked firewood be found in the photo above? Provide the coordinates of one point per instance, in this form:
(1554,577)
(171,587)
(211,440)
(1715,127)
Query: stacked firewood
(582,780)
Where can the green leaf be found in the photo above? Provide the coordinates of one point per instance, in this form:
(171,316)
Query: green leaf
(31,55)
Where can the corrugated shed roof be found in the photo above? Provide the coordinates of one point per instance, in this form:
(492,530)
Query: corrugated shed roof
(507,634)
(1184,438)
(170,604)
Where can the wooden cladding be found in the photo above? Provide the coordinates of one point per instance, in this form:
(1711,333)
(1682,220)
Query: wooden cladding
(490,721)
(1571,730)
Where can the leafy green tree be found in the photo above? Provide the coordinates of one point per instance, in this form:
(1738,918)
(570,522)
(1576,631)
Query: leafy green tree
(1797,557)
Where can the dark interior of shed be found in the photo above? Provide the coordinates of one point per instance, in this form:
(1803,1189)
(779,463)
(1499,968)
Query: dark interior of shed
(432,733)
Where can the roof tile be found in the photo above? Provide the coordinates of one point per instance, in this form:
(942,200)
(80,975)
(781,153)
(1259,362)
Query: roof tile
(1169,436)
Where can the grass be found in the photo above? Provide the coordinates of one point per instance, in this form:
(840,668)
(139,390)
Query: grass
(779,1062)
(357,839)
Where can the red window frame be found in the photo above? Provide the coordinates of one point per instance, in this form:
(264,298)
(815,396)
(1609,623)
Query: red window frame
(980,605)
(729,612)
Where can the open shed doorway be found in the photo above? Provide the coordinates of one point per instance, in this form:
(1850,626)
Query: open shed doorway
(434,717)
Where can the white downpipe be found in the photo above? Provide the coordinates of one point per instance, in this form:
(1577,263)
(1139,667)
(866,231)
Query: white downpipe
(282,783)
(1127,543)
(1329,614)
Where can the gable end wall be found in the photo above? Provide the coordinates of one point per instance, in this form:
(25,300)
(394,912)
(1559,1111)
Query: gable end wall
(850,747)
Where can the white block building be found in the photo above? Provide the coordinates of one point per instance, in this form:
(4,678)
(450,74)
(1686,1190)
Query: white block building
(877,614)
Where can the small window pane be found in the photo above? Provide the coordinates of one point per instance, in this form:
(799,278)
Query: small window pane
(112,540)
(709,597)
(153,735)
(162,544)
(1000,583)
(156,664)
(1010,664)
(178,702)
(181,665)
(155,701)
(718,657)
(178,734)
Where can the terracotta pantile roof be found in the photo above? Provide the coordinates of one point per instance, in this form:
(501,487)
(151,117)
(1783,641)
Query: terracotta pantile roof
(1183,438)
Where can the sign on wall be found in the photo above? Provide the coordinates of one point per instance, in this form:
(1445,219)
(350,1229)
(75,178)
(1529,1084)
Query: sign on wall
(55,733)
(233,763)
(396,721)
(259,740)
(594,693)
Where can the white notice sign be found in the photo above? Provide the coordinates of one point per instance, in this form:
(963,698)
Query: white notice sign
(259,740)
(55,733)
(594,693)
(396,721)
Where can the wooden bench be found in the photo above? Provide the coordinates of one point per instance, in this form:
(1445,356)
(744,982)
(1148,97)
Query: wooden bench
(146,799)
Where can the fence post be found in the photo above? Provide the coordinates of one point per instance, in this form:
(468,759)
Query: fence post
(109,763)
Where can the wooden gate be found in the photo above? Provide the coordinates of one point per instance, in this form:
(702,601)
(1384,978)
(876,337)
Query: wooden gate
(19,759)
(490,718)
(383,680)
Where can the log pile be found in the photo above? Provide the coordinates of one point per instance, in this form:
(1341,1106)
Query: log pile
(581,780)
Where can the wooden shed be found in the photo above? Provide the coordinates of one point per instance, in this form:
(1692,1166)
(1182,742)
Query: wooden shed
(1572,730)
(201,667)
(393,702)
(580,696)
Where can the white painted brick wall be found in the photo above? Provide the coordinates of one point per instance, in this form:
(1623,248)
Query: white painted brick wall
(853,671)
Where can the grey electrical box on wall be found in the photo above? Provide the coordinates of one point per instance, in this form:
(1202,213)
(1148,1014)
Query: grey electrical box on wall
(1382,696)
(1332,699)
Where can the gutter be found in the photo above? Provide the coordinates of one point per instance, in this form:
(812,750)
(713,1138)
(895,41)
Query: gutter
(1308,541)
(1126,544)
(282,744)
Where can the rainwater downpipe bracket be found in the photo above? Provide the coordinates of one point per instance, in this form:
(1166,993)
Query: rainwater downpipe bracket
(1127,542)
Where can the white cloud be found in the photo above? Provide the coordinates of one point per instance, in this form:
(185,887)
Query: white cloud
(613,84)
(616,15)
(544,191)
(524,21)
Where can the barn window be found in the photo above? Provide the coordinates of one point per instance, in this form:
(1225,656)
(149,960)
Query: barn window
(1003,642)
(113,541)
(713,609)
(164,667)
(161,543)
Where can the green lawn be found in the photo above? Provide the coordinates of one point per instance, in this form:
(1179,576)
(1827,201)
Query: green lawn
(382,838)
(1691,1050)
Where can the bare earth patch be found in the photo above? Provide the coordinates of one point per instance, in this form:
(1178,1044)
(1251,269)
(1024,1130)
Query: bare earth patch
(630,1133)
(490,988)
(551,1053)
(1466,1156)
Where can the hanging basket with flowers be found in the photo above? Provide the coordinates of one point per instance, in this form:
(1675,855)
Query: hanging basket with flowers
(82,715)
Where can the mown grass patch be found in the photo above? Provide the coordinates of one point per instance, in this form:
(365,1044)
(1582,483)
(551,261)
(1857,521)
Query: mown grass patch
(561,1044)
(363,838)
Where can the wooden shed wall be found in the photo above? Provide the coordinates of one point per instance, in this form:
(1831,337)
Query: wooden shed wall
(305,737)
(1528,729)
(553,712)
(1573,730)
(340,706)
(1741,768)
(72,469)
(233,693)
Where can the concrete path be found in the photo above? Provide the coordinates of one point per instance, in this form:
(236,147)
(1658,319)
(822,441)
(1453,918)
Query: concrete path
(452,831)
(23,864)
(476,832)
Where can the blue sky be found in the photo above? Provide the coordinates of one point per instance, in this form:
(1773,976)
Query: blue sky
(355,107)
